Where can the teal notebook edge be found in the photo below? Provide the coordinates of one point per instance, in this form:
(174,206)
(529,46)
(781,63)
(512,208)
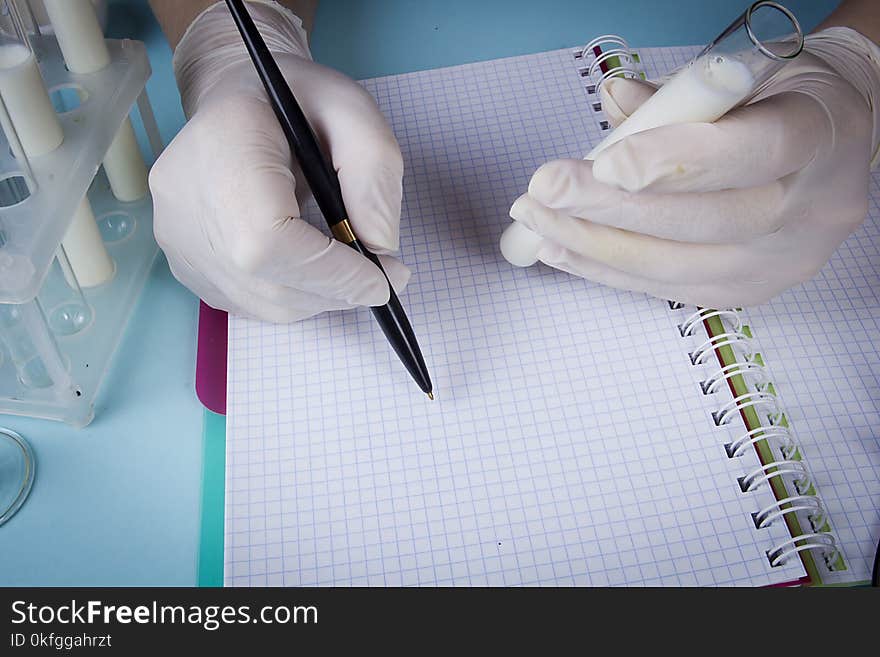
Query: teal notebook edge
(210,569)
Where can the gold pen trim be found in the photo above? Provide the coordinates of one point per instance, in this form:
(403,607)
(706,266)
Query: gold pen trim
(342,231)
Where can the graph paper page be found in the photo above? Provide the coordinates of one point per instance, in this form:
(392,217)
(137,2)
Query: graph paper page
(569,443)
(820,343)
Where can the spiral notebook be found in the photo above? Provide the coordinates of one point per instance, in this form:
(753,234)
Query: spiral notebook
(581,435)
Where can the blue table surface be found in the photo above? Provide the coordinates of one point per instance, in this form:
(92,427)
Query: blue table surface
(117,504)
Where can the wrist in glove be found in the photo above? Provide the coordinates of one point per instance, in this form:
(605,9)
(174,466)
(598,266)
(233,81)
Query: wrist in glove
(212,45)
(857,59)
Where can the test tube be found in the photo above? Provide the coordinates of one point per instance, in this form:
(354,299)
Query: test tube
(15,335)
(729,70)
(81,40)
(35,126)
(24,94)
(726,73)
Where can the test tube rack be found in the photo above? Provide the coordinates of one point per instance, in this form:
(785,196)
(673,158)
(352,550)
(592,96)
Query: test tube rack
(57,338)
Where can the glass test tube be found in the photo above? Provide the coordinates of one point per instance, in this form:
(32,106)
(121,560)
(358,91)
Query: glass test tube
(726,73)
(82,43)
(35,125)
(33,118)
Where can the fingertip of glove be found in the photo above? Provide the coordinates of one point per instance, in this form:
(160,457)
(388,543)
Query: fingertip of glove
(551,180)
(377,292)
(374,207)
(381,241)
(619,166)
(550,253)
(542,181)
(520,208)
(398,273)
(369,287)
(623,96)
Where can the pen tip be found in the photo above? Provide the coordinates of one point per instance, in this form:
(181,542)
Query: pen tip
(431,396)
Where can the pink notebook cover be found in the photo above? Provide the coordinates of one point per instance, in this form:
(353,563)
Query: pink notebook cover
(211,358)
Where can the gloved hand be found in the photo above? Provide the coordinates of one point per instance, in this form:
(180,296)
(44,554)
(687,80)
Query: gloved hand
(227,197)
(723,214)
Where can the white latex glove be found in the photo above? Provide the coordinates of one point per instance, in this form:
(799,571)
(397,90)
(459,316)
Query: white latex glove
(227,202)
(723,214)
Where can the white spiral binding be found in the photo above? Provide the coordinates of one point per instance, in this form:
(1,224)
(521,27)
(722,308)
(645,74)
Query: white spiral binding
(774,469)
(697,318)
(808,503)
(822,541)
(804,502)
(622,55)
(780,436)
(736,340)
(606,39)
(750,370)
(759,399)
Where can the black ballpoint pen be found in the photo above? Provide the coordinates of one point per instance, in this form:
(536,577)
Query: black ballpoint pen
(325,188)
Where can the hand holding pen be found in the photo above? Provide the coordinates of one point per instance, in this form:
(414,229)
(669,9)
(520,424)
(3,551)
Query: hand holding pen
(226,209)
(325,186)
